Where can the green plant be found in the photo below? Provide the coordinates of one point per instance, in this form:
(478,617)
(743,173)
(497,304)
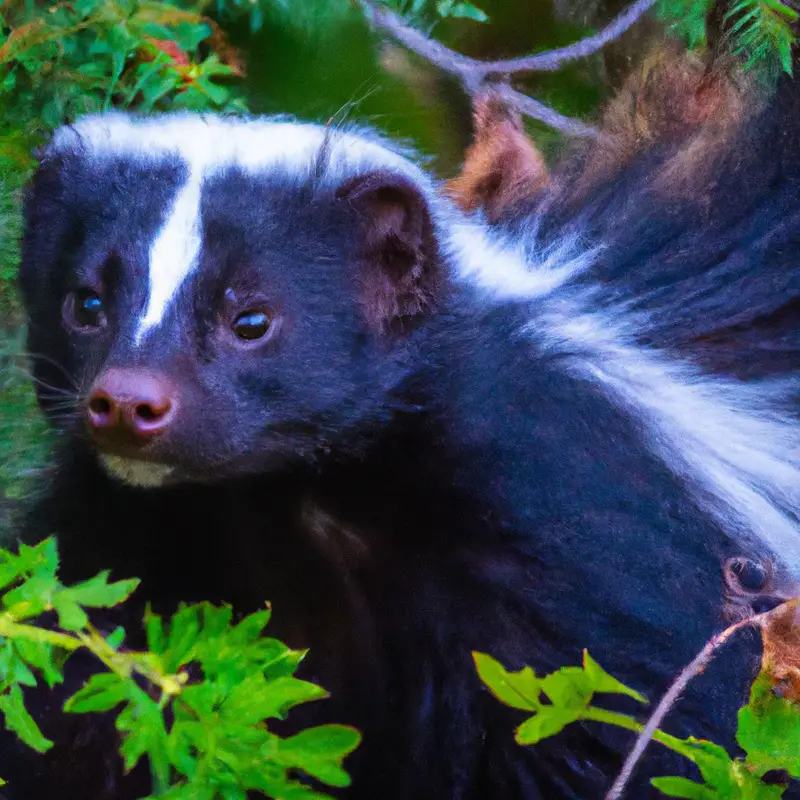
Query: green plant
(761,32)
(204,737)
(768,730)
(442,9)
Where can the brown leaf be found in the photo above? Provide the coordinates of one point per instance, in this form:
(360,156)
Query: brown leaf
(502,165)
(24,37)
(780,632)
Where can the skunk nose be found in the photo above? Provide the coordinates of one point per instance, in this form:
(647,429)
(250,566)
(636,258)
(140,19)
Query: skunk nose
(130,406)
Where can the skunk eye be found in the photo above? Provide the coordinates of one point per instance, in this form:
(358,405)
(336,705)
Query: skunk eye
(251,325)
(85,309)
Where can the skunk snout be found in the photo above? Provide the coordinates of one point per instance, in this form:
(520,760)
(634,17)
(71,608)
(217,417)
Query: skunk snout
(129,407)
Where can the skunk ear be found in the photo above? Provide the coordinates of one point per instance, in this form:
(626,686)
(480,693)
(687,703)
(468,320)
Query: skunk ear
(399,270)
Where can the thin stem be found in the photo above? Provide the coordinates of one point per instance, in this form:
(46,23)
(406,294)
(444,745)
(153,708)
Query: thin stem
(16,630)
(538,110)
(650,731)
(431,50)
(623,721)
(122,664)
(553,59)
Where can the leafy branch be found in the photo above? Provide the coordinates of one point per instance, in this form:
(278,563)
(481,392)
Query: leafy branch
(769,726)
(196,704)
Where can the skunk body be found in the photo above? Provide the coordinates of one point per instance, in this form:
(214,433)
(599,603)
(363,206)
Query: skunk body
(435,437)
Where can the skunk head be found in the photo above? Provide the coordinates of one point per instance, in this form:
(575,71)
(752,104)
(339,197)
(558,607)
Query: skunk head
(210,297)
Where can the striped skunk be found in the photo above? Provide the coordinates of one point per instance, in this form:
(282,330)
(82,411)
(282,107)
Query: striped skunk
(301,373)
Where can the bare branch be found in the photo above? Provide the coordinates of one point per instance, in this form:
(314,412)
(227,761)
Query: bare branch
(697,665)
(536,110)
(553,59)
(474,74)
(431,50)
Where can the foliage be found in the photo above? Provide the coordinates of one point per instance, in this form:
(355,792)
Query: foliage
(761,32)
(209,738)
(441,9)
(768,732)
(91,55)
(205,736)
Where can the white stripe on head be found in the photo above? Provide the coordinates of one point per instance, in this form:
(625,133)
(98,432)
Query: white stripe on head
(174,253)
(207,144)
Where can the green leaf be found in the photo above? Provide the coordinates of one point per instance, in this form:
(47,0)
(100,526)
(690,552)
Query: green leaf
(761,31)
(686,19)
(97,592)
(568,687)
(86,7)
(468,11)
(35,594)
(319,752)
(20,721)
(189,35)
(216,620)
(183,630)
(217,94)
(516,689)
(116,637)
(41,655)
(769,730)
(213,67)
(256,699)
(603,683)
(8,571)
(682,787)
(546,722)
(40,559)
(154,630)
(182,744)
(251,627)
(144,733)
(714,763)
(101,692)
(71,617)
(13,669)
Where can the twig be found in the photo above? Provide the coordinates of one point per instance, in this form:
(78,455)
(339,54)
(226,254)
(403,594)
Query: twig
(475,74)
(668,700)
(537,110)
(553,59)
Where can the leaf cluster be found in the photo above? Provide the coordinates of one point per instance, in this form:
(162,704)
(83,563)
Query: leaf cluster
(196,704)
(769,727)
(760,32)
(64,59)
(432,10)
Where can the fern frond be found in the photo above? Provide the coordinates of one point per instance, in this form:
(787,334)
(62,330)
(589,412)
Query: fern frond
(762,30)
(686,19)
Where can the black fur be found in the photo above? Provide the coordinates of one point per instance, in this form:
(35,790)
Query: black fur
(715,244)
(401,497)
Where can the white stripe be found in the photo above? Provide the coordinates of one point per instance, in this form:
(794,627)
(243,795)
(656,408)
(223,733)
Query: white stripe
(735,445)
(174,253)
(207,144)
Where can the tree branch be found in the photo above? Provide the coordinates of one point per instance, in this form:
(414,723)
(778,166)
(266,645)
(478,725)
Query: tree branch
(475,74)
(697,665)
(553,59)
(537,110)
